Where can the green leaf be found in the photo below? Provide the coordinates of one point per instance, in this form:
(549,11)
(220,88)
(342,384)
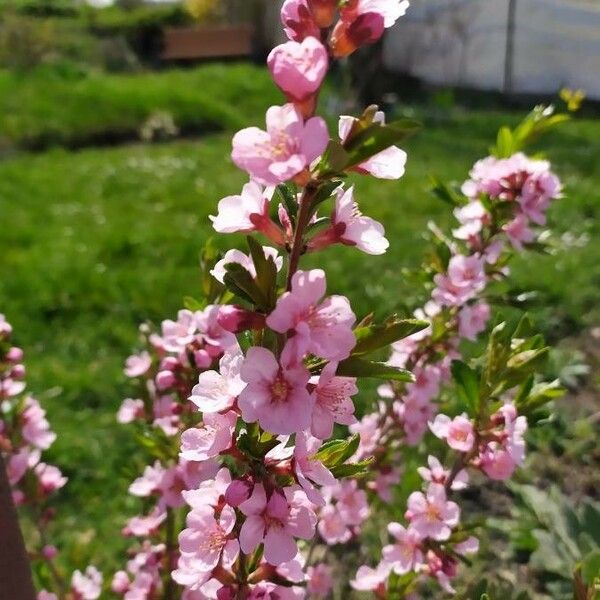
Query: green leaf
(358,367)
(193,304)
(374,337)
(376,138)
(336,452)
(504,143)
(467,385)
(352,469)
(288,200)
(334,160)
(590,567)
(240,282)
(266,273)
(445,193)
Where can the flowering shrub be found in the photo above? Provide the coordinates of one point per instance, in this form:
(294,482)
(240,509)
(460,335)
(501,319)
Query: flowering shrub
(245,398)
(24,435)
(263,465)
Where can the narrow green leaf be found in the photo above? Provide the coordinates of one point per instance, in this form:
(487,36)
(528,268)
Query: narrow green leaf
(467,385)
(358,367)
(374,337)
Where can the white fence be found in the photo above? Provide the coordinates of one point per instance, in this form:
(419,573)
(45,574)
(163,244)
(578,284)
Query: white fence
(463,42)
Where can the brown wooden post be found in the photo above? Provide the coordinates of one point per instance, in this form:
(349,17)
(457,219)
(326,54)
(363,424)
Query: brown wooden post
(15,571)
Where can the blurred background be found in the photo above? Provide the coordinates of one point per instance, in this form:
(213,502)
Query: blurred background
(115,128)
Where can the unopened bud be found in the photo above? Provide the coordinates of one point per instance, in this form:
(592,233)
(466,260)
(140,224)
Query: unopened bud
(238,491)
(323,12)
(236,319)
(165,380)
(14,355)
(348,37)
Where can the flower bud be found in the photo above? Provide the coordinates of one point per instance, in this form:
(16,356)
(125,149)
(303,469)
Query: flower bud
(202,359)
(236,319)
(238,491)
(347,37)
(49,552)
(169,363)
(18,372)
(323,12)
(14,355)
(165,380)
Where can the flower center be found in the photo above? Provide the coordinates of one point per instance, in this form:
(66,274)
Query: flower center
(280,389)
(432,513)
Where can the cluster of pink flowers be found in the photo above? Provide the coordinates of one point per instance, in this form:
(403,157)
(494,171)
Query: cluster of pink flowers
(238,401)
(496,447)
(24,435)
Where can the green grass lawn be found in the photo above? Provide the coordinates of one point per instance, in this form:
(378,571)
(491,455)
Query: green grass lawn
(49,107)
(96,241)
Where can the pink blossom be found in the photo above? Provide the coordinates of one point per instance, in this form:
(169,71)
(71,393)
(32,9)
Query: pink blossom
(332,527)
(150,481)
(320,581)
(369,430)
(137,364)
(88,585)
(5,327)
(284,150)
(210,492)
(216,339)
(248,212)
(350,227)
(299,68)
(388,164)
(537,193)
(472,217)
(217,391)
(469,546)
(383,483)
(120,582)
(142,526)
(298,21)
(35,428)
(499,459)
(308,469)
(207,538)
(276,394)
(209,439)
(321,327)
(464,279)
(437,474)
(177,334)
(457,432)
(333,401)
(390,10)
(352,502)
(236,256)
(431,514)
(275,521)
(50,477)
(17,466)
(405,555)
(518,232)
(130,410)
(472,320)
(368,579)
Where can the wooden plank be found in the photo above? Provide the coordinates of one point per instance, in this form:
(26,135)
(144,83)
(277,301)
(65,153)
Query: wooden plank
(207,42)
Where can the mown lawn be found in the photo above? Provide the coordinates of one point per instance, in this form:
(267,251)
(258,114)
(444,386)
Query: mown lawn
(96,241)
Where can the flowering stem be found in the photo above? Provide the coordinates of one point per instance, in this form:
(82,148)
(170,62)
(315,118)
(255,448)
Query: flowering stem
(170,549)
(304,214)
